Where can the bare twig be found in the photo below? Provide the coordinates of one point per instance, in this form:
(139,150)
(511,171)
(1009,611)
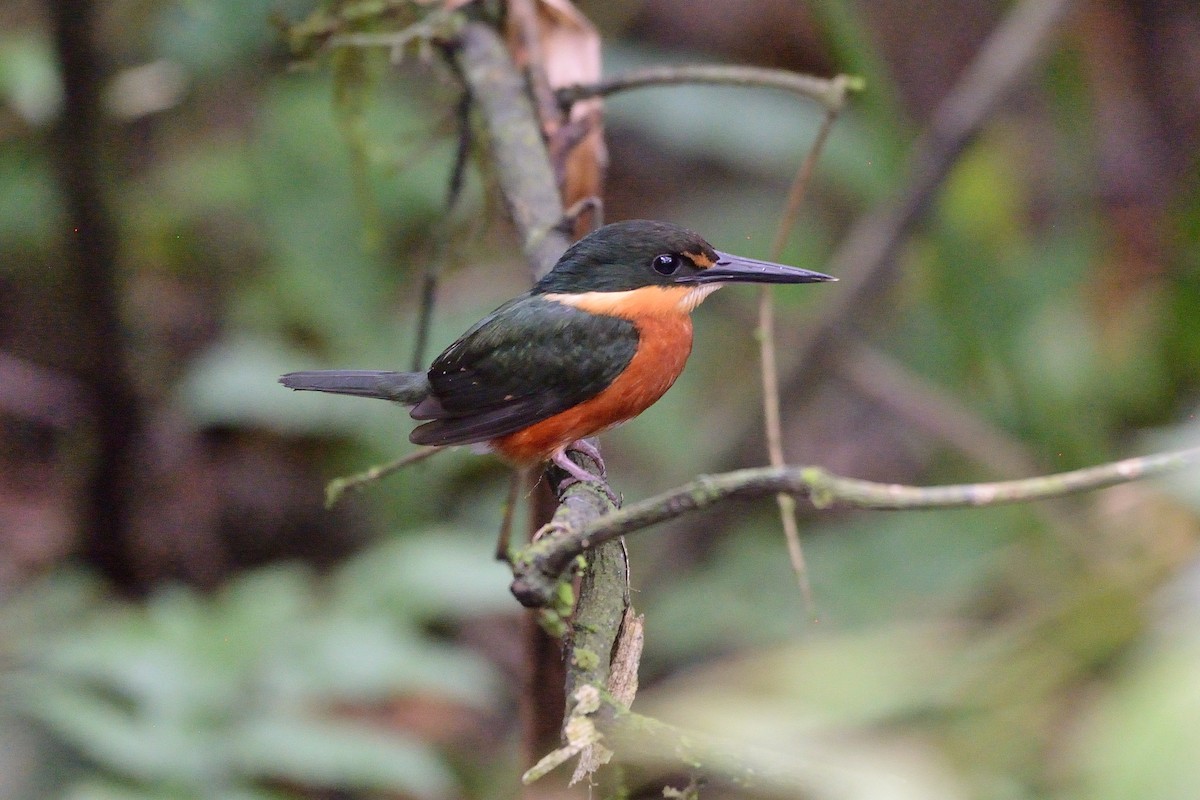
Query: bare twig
(772,420)
(537,569)
(454,186)
(425,306)
(865,259)
(917,403)
(359,480)
(830,92)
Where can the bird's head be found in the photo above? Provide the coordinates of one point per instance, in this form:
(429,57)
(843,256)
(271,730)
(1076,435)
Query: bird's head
(644,254)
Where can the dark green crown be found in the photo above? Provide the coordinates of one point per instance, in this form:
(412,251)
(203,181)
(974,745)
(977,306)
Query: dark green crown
(622,256)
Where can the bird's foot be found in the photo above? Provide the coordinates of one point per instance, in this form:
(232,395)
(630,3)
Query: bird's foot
(580,475)
(590,450)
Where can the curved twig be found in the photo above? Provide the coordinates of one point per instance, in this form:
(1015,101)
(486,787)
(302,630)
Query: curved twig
(866,260)
(339,486)
(829,92)
(515,143)
(772,418)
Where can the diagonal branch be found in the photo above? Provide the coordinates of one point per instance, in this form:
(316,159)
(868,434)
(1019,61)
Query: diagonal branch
(515,144)
(530,189)
(865,261)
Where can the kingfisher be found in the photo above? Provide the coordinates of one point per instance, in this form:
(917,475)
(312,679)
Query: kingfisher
(594,343)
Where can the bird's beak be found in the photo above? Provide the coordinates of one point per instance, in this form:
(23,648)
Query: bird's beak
(736,269)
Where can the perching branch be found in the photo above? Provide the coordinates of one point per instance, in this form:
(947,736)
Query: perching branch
(339,486)
(536,570)
(527,181)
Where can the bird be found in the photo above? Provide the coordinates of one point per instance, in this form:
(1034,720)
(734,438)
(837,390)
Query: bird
(594,343)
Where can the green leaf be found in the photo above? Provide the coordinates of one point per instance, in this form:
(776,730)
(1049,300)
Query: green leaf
(437,573)
(333,754)
(29,80)
(1143,739)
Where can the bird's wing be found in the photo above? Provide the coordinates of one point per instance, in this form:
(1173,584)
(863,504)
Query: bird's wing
(530,359)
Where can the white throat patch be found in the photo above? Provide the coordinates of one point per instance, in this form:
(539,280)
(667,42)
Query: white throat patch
(696,296)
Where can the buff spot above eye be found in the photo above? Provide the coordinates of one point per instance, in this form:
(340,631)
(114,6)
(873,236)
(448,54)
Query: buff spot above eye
(701,260)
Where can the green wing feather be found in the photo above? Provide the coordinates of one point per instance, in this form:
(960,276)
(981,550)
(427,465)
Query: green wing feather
(528,360)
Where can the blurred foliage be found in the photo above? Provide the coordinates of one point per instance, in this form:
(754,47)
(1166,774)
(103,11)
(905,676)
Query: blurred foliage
(279,214)
(280,678)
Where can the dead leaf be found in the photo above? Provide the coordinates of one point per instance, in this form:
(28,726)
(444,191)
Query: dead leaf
(559,47)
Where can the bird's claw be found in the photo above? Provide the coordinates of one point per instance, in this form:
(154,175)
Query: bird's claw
(549,529)
(577,474)
(591,451)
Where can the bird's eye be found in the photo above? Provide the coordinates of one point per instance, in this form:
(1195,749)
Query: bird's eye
(666,264)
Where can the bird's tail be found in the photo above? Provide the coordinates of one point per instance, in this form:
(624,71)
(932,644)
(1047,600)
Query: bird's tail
(408,388)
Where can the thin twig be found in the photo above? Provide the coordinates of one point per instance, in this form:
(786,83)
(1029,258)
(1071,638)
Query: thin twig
(360,480)
(830,92)
(866,258)
(439,26)
(772,419)
(517,480)
(919,404)
(537,569)
(425,306)
(515,144)
(430,277)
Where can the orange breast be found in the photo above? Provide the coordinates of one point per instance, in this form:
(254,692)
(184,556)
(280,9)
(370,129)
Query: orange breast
(665,343)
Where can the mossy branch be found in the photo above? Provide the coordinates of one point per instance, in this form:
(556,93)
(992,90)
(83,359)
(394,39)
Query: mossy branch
(538,567)
(515,143)
(527,181)
(600,720)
